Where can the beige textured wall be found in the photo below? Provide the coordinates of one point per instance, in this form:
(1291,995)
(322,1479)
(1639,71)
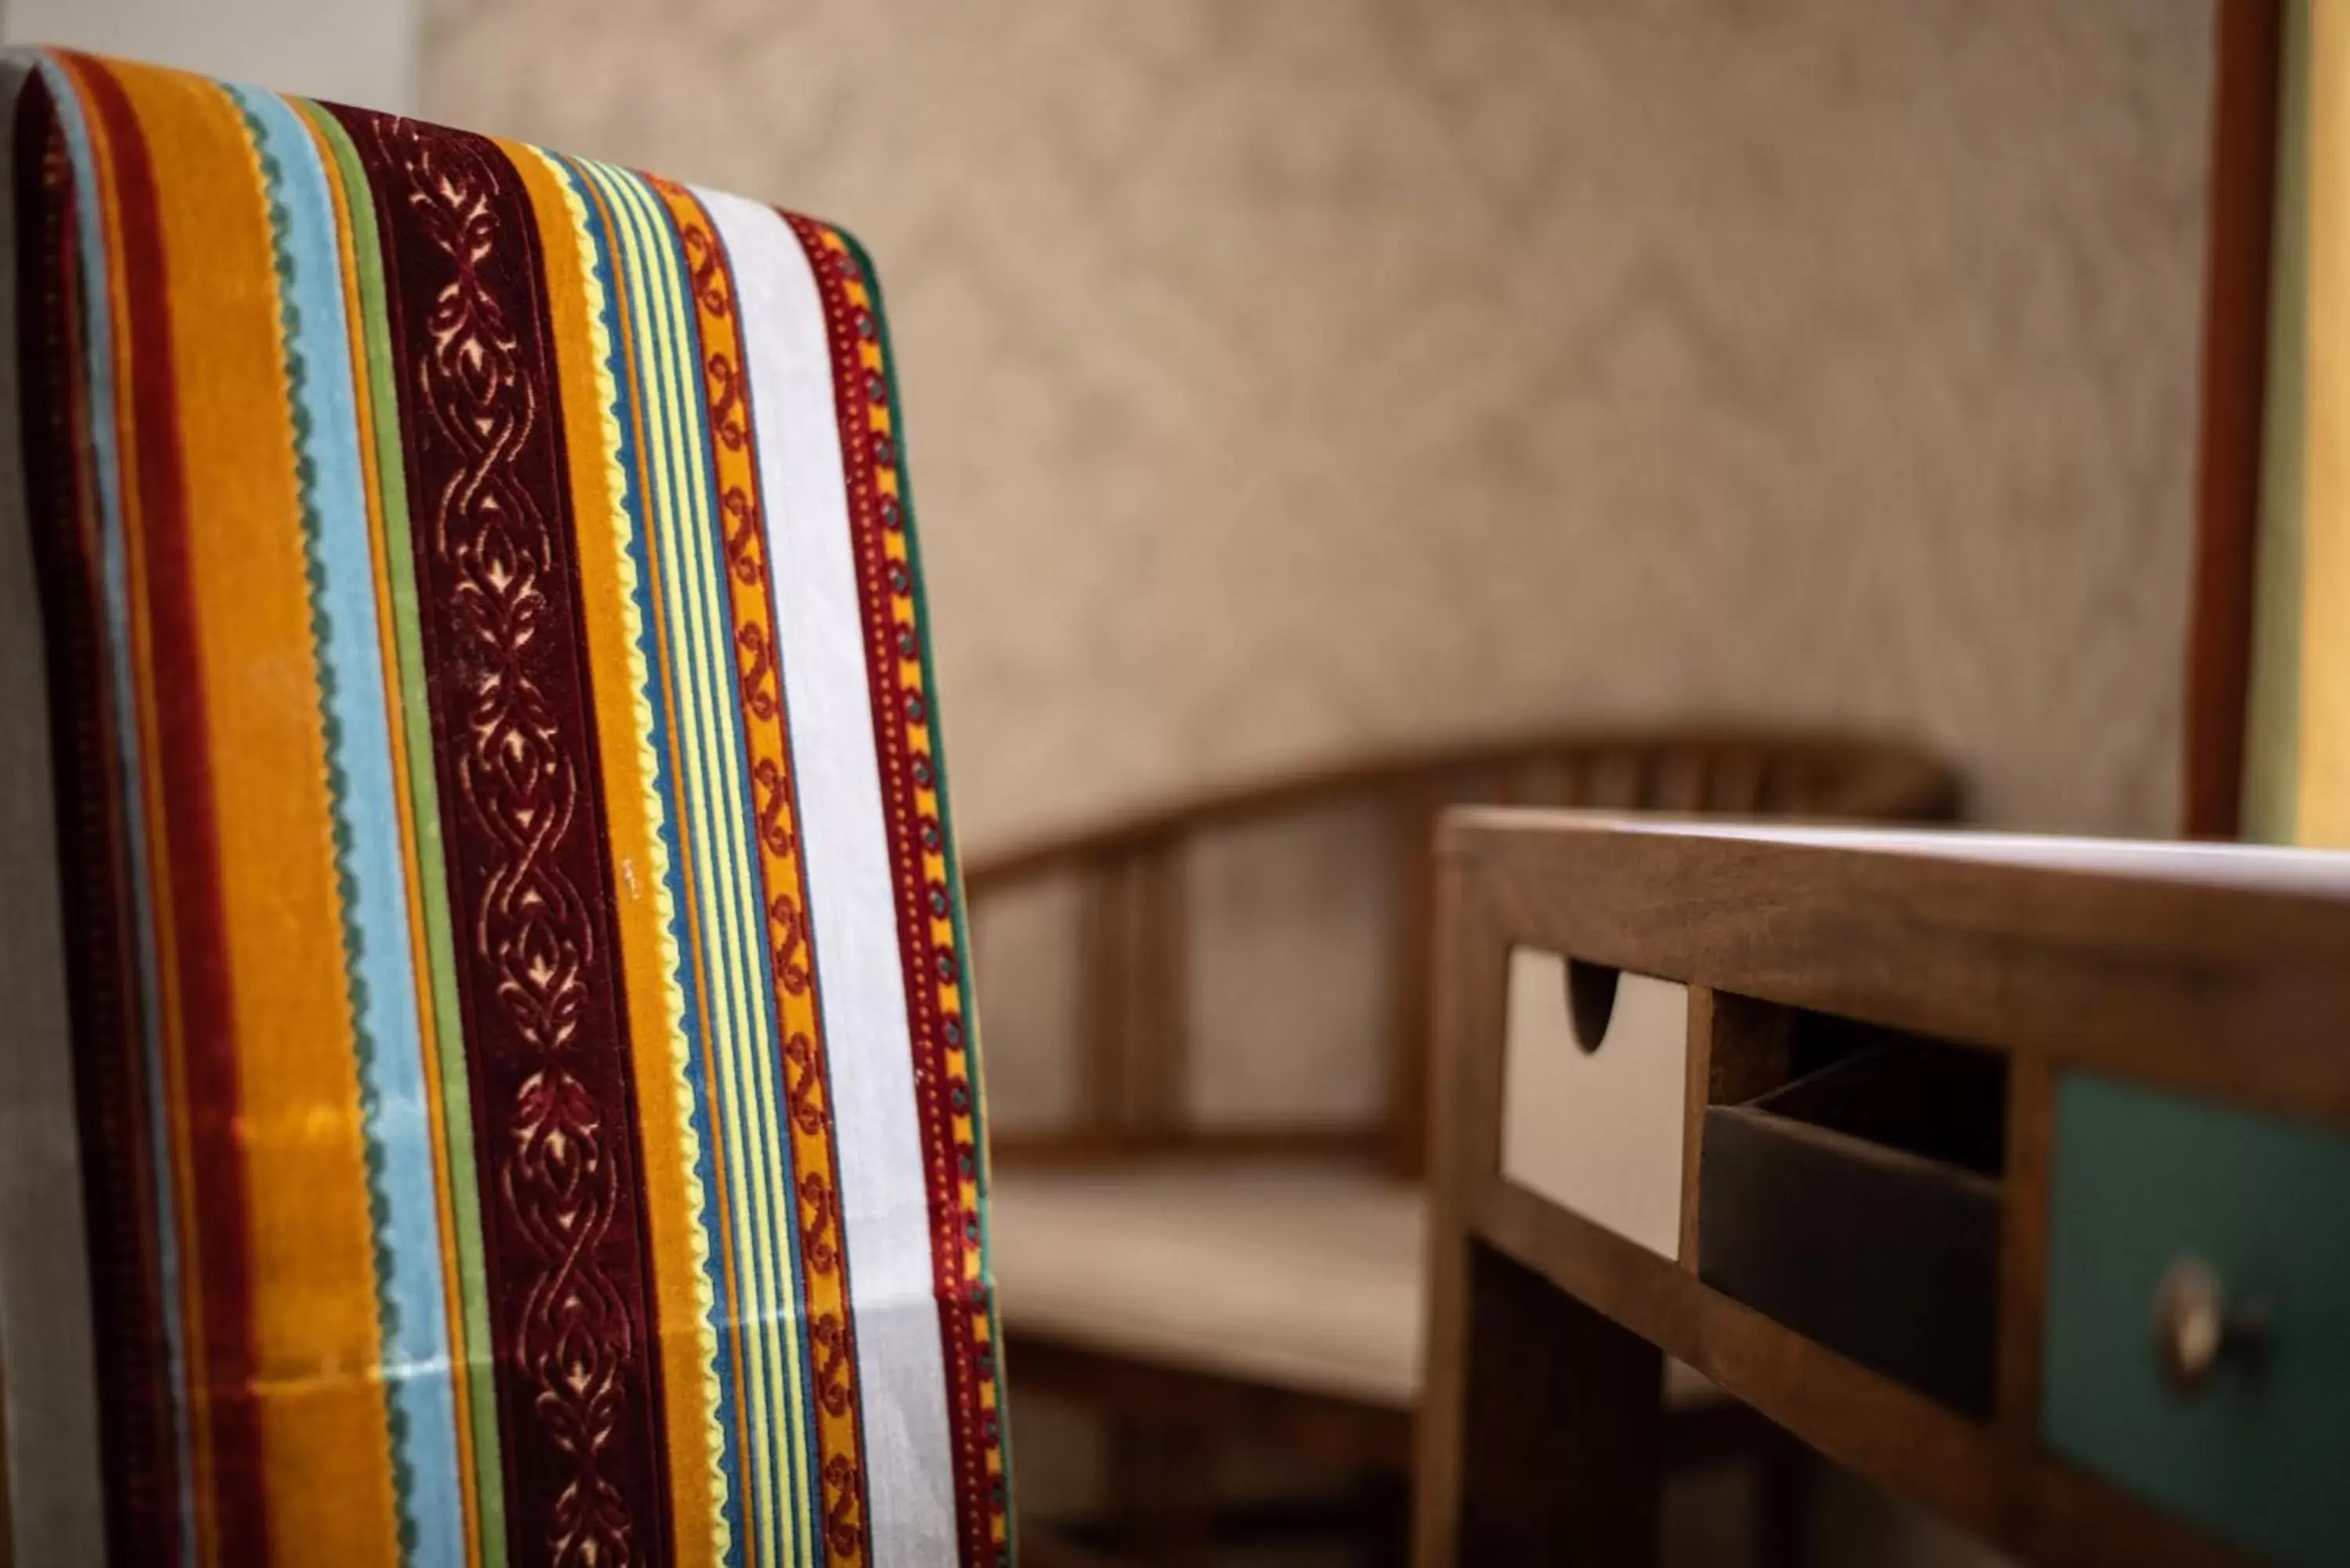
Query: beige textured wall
(1286,377)
(1291,375)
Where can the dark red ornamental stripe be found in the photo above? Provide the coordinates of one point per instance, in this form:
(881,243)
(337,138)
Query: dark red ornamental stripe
(138,1458)
(523,823)
(188,872)
(855,390)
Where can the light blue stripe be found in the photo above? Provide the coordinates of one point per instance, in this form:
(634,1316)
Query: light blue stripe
(670,379)
(735,747)
(692,981)
(98,338)
(367,808)
(758,1290)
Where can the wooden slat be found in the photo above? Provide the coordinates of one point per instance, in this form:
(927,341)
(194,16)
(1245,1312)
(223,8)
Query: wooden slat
(1086,1149)
(1103,949)
(1471,982)
(2223,990)
(1162,1017)
(1864,776)
(2236,269)
(1738,1049)
(1410,967)
(1697,1074)
(1319,1426)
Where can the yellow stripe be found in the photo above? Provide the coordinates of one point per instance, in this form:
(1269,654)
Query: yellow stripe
(323,1428)
(732,1236)
(2325,723)
(688,1348)
(742,946)
(768,746)
(731,1036)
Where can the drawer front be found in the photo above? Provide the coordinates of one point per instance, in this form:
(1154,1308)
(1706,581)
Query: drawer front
(2171,1211)
(1598,1131)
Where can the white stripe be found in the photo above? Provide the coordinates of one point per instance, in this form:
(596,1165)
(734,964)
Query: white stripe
(861,980)
(48,1366)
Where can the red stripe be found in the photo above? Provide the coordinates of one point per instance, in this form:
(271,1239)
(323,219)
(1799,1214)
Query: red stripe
(190,874)
(855,390)
(139,1459)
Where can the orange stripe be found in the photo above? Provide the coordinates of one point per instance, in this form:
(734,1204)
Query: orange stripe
(766,732)
(315,1339)
(696,955)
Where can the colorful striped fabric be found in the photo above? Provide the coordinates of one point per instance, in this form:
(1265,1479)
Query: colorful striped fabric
(492,1079)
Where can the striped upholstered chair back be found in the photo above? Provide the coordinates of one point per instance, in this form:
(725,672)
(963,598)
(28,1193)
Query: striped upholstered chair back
(487,1076)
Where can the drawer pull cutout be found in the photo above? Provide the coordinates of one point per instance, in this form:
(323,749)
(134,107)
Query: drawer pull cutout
(1590,1003)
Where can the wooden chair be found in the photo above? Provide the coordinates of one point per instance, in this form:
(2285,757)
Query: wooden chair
(1198,1264)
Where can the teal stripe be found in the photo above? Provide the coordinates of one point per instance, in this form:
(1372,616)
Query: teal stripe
(804,1463)
(668,384)
(668,374)
(690,979)
(947,848)
(420,1400)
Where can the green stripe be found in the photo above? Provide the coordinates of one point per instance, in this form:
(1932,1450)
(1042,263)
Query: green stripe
(946,845)
(440,944)
(296,372)
(688,611)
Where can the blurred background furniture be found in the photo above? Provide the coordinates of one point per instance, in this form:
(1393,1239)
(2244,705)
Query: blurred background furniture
(2010,1175)
(1207,1033)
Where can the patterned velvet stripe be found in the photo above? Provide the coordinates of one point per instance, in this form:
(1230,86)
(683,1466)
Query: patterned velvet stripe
(921,858)
(449,1108)
(515,747)
(825,1281)
(717,829)
(67,1488)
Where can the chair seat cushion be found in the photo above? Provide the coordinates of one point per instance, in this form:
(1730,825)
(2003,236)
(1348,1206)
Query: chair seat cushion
(1299,1275)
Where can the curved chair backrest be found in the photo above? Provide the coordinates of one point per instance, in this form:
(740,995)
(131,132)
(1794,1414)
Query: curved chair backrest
(495,1078)
(1296,913)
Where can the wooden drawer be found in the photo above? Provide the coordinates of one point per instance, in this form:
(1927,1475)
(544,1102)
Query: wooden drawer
(2148,1187)
(1596,1126)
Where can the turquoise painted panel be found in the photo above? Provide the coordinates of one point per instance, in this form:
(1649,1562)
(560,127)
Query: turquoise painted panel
(2260,1454)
